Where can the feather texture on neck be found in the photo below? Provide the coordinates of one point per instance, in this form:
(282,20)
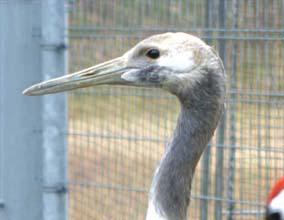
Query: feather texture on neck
(201,108)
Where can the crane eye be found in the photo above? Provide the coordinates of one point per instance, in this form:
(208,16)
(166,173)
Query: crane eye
(153,53)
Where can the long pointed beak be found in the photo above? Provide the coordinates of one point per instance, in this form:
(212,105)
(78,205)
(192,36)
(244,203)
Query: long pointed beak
(105,73)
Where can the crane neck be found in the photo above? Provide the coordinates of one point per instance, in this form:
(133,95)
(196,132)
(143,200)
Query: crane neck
(200,111)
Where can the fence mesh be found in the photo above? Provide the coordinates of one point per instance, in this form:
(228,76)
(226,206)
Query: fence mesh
(117,135)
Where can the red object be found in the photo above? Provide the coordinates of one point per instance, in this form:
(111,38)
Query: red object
(277,188)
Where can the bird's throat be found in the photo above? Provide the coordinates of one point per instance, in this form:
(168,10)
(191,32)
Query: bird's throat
(171,186)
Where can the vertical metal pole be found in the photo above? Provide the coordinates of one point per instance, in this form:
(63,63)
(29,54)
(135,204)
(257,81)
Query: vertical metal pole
(54,111)
(2,30)
(20,116)
(221,130)
(207,153)
(267,67)
(233,115)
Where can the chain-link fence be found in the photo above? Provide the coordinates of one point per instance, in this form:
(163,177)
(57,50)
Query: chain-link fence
(117,135)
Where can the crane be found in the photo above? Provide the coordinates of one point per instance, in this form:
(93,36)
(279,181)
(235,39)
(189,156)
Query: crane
(275,202)
(188,68)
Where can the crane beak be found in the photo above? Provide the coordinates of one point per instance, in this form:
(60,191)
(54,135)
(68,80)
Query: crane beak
(105,73)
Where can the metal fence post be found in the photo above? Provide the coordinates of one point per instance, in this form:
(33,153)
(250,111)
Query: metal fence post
(54,111)
(206,177)
(20,116)
(233,119)
(222,125)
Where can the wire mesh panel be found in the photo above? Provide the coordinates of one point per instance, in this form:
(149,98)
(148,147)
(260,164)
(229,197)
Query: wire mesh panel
(117,135)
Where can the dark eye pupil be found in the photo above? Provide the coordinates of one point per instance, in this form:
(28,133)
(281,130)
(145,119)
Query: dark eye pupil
(153,53)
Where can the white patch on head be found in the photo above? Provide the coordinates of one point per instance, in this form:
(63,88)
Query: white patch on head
(152,213)
(178,61)
(277,204)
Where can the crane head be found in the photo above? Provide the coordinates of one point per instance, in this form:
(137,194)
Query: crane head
(275,202)
(171,61)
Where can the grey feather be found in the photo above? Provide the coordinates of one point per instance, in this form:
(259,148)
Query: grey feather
(201,108)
